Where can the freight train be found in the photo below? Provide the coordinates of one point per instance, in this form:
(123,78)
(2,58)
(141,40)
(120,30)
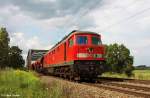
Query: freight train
(79,55)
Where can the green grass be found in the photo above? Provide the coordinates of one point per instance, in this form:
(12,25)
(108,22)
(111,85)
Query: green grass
(114,75)
(25,85)
(137,74)
(142,74)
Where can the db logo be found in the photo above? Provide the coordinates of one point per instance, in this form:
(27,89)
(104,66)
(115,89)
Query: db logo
(90,55)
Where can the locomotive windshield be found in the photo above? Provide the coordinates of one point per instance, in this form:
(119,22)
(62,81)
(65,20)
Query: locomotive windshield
(96,40)
(81,40)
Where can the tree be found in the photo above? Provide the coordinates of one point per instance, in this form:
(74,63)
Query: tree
(15,58)
(118,58)
(9,57)
(4,47)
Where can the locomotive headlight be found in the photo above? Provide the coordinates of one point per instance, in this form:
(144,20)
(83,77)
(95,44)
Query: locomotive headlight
(82,55)
(97,55)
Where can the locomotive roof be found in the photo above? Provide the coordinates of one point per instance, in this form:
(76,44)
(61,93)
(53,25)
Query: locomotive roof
(76,32)
(73,32)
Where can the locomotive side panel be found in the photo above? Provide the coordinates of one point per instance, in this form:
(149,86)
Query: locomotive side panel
(55,57)
(60,54)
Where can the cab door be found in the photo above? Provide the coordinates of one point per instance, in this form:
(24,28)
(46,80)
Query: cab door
(65,51)
(70,52)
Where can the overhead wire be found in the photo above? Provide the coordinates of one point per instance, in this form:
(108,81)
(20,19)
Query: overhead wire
(118,22)
(126,19)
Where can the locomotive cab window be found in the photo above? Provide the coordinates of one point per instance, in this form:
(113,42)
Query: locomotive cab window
(70,42)
(81,40)
(96,40)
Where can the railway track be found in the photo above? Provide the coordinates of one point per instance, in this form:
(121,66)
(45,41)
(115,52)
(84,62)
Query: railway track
(126,90)
(146,82)
(138,88)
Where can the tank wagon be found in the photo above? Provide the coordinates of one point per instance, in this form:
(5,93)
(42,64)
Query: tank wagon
(79,55)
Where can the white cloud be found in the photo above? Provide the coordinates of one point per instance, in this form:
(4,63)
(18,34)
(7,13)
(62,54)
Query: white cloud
(25,43)
(54,23)
(118,21)
(33,43)
(47,1)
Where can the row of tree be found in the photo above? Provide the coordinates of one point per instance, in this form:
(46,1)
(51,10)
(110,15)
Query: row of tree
(119,59)
(10,56)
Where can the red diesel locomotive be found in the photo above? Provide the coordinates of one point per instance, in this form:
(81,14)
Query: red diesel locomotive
(79,55)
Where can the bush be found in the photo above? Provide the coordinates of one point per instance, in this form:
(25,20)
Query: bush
(128,71)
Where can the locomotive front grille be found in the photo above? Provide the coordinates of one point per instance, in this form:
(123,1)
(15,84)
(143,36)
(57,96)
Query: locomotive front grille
(89,68)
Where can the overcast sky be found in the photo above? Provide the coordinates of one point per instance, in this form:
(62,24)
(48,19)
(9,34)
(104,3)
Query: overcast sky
(40,24)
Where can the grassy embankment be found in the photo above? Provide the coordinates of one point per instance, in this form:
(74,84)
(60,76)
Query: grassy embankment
(137,74)
(21,84)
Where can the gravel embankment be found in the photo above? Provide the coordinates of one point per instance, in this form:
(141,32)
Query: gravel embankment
(76,90)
